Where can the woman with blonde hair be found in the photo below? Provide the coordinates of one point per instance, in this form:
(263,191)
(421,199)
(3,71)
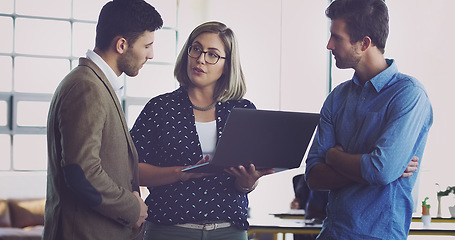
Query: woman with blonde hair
(181,128)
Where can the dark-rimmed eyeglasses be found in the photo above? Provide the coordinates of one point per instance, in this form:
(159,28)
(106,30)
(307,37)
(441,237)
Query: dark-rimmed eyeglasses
(210,57)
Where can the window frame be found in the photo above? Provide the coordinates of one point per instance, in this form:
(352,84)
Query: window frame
(13,97)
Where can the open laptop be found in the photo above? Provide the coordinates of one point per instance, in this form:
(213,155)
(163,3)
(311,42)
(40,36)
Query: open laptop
(268,139)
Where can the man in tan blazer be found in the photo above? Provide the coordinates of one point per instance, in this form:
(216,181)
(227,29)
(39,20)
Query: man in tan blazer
(92,182)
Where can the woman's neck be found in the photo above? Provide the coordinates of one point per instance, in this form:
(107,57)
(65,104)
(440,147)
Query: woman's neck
(201,97)
(202,101)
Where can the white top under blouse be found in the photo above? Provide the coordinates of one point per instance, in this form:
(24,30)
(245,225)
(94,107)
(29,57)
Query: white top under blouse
(207,136)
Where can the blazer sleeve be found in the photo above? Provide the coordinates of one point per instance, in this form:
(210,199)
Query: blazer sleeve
(82,120)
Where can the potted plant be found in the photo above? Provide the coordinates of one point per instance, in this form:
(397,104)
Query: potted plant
(426,218)
(425,207)
(449,189)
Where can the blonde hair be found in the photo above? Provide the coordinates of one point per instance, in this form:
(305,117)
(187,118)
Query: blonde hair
(231,85)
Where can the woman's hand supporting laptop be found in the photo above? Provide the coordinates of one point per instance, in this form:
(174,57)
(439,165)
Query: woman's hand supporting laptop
(246,178)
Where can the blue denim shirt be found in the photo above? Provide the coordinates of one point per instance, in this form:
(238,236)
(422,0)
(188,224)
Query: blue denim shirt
(165,135)
(387,120)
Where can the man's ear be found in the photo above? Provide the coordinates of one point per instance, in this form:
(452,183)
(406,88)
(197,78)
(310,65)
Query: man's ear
(366,43)
(121,45)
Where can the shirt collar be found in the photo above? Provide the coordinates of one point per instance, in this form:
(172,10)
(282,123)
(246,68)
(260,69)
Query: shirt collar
(116,82)
(383,78)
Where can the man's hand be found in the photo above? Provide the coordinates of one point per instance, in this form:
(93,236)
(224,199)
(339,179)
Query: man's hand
(412,167)
(143,213)
(295,204)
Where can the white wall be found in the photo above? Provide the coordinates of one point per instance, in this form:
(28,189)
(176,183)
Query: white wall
(22,185)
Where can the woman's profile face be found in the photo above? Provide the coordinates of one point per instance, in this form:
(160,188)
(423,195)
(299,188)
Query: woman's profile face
(204,70)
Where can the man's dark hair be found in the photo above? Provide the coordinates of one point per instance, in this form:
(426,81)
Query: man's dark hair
(126,18)
(363,18)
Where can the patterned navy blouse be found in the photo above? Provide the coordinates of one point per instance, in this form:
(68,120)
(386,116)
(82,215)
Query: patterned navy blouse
(165,136)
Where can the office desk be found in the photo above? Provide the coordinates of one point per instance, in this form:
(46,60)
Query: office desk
(435,228)
(435,219)
(278,225)
(298,226)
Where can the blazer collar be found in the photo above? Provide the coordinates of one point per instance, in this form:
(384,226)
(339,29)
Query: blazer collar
(116,82)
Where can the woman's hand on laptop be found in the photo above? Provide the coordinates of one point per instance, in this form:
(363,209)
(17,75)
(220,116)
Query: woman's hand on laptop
(246,177)
(184,176)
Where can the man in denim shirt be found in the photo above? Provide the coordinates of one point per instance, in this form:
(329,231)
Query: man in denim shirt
(370,127)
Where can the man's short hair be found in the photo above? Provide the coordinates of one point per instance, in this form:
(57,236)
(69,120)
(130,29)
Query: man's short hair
(126,18)
(363,18)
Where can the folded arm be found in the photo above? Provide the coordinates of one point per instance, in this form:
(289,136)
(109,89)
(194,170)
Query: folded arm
(342,169)
(348,165)
(401,135)
(323,177)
